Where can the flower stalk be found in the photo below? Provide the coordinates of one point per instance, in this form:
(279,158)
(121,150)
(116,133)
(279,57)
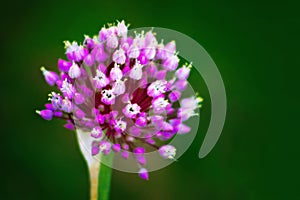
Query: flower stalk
(94,170)
(99,173)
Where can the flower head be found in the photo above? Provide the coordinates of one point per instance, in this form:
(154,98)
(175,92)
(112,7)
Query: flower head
(125,92)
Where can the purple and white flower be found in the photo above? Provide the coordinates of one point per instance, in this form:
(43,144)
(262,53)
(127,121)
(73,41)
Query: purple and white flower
(125,92)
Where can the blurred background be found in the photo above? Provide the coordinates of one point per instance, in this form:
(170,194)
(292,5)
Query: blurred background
(255,45)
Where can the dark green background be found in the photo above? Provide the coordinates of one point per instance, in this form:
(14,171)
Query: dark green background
(255,44)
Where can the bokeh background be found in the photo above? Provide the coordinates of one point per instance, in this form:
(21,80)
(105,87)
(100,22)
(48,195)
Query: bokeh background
(255,44)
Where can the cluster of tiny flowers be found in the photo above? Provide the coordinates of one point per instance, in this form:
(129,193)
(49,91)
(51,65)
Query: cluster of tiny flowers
(116,88)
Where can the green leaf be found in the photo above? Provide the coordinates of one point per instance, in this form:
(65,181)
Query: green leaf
(104,177)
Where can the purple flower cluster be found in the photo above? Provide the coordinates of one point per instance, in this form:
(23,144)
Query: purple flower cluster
(124,91)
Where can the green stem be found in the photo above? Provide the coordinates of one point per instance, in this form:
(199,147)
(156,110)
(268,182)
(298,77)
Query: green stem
(99,174)
(104,178)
